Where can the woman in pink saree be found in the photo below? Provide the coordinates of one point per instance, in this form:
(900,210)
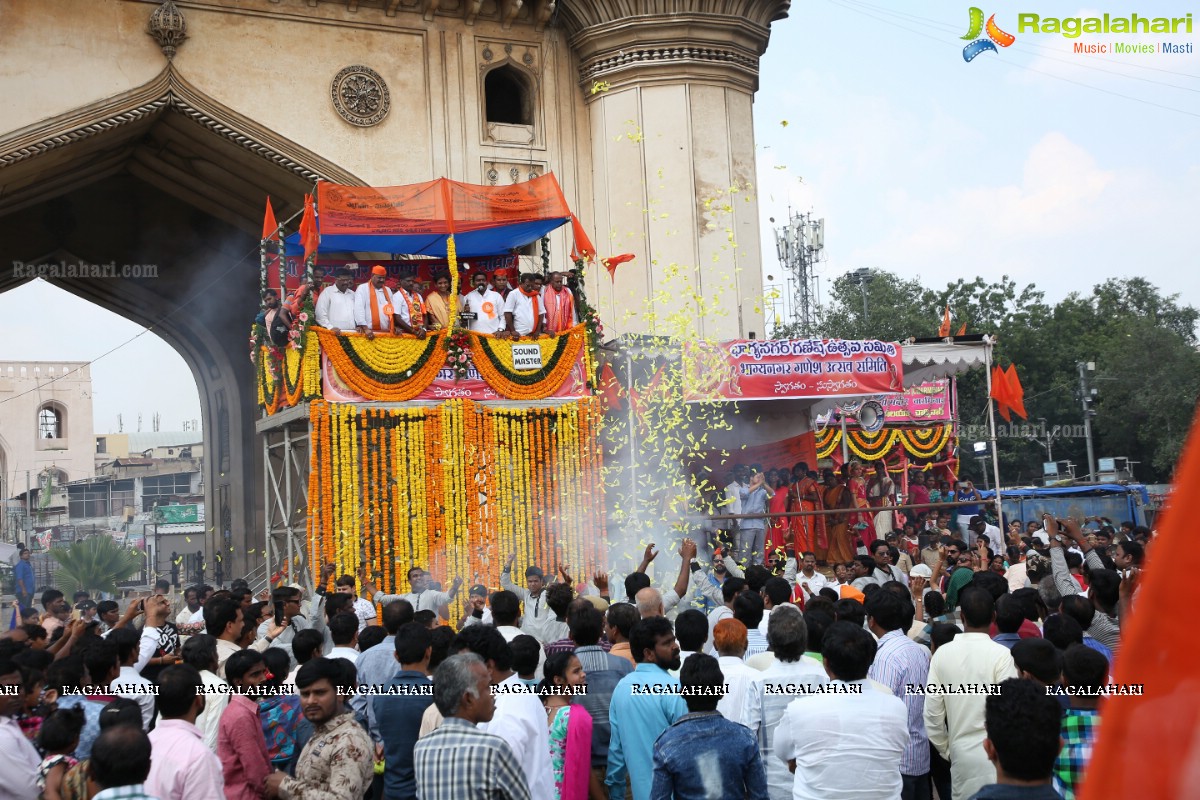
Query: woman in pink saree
(570,729)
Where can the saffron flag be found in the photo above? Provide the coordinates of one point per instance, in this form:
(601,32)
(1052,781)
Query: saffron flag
(944,330)
(1016,393)
(583,250)
(612,262)
(270,226)
(1000,392)
(308,227)
(1157,655)
(962,331)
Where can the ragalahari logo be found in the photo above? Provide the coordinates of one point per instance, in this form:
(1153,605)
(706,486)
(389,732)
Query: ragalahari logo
(995,36)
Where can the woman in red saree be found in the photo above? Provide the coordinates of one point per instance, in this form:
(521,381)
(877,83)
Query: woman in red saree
(805,495)
(862,526)
(837,495)
(778,532)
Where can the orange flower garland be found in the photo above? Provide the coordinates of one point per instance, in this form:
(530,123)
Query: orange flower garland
(454,488)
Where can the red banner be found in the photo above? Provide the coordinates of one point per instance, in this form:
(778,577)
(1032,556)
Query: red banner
(790,368)
(926,402)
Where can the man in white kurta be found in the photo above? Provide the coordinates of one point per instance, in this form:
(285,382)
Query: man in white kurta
(485,304)
(373,305)
(966,666)
(335,304)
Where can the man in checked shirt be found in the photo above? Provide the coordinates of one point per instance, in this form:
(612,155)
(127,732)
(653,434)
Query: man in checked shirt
(458,760)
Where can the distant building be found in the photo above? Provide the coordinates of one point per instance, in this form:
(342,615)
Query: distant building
(45,430)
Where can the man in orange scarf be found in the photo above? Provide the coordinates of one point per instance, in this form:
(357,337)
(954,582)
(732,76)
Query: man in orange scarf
(410,310)
(373,312)
(523,311)
(560,305)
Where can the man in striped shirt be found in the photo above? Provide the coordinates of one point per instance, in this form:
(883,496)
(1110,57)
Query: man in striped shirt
(458,760)
(900,661)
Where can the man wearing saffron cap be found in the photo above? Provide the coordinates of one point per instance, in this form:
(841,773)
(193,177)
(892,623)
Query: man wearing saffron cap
(485,304)
(523,312)
(373,311)
(500,283)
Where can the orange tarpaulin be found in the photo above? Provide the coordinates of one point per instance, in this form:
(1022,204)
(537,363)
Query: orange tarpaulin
(440,206)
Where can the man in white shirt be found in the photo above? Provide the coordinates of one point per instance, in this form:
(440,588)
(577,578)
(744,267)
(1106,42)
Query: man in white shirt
(343,629)
(335,305)
(486,306)
(845,745)
(18,759)
(129,682)
(520,718)
(982,529)
(421,598)
(536,613)
(743,685)
(955,722)
(363,609)
(523,312)
(792,674)
(811,581)
(373,309)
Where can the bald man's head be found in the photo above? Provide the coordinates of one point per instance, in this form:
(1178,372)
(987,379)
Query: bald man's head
(649,603)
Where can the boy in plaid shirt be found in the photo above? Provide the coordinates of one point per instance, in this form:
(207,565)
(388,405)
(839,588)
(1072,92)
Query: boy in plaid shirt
(1084,670)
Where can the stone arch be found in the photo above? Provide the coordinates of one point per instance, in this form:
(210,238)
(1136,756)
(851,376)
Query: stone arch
(164,176)
(51,421)
(510,95)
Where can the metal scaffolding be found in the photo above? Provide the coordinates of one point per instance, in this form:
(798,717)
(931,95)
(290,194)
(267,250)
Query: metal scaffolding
(285,438)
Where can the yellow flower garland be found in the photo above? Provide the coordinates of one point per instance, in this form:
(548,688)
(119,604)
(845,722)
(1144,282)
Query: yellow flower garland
(548,382)
(417,360)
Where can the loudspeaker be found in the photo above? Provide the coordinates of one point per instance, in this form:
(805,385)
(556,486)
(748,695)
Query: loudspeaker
(870,416)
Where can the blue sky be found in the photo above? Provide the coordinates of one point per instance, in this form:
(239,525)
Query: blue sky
(1050,167)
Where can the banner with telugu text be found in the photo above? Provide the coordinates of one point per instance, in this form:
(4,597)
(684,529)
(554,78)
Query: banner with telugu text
(445,387)
(928,401)
(790,369)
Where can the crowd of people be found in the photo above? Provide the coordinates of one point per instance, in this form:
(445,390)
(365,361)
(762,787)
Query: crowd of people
(956,667)
(538,304)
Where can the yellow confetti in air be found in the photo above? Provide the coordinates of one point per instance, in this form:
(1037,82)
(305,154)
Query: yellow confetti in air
(189,539)
(783,123)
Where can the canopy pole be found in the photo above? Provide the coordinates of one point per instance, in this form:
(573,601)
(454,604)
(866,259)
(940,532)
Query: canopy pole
(989,341)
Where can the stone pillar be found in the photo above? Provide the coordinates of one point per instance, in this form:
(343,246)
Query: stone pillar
(670,96)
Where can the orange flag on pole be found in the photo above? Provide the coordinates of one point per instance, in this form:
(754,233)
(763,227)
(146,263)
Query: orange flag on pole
(1000,392)
(944,330)
(308,227)
(962,331)
(1016,393)
(612,262)
(1158,654)
(270,226)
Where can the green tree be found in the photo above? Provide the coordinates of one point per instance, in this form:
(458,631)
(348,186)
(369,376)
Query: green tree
(94,564)
(1143,343)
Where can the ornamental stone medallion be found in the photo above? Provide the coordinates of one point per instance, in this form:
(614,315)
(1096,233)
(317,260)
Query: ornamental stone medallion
(360,96)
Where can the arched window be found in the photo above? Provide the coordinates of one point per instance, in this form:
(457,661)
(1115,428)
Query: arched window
(50,423)
(508,96)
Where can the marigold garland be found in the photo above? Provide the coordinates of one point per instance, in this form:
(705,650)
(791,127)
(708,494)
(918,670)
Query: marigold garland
(454,488)
(391,368)
(919,442)
(493,359)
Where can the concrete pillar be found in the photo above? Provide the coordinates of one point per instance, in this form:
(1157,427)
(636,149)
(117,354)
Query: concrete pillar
(670,97)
